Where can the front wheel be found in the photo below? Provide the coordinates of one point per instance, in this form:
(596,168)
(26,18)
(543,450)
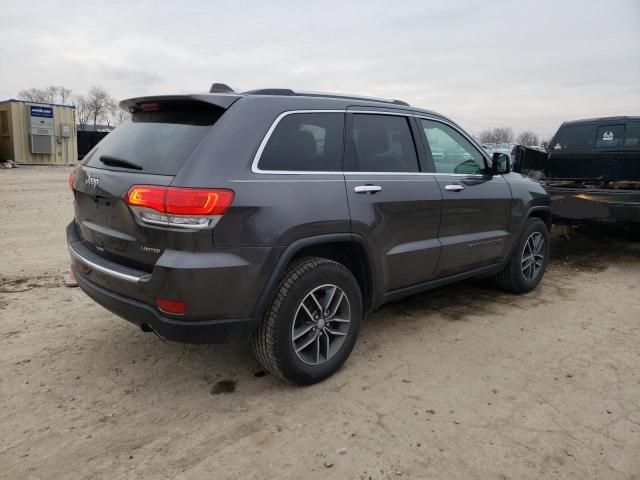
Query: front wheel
(527,264)
(312,324)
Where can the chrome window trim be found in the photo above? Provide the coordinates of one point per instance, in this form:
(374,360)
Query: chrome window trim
(265,140)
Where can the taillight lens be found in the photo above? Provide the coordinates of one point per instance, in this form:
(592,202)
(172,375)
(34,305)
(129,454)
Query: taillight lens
(180,207)
(189,201)
(171,306)
(72,180)
(149,197)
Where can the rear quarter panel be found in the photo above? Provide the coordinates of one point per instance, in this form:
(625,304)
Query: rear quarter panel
(268,209)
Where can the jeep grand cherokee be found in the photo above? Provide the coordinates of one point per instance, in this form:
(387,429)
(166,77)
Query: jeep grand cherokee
(287,216)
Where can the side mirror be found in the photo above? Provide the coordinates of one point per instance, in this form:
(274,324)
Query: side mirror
(500,163)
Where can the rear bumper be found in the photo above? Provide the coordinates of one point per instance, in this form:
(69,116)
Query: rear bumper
(601,205)
(147,317)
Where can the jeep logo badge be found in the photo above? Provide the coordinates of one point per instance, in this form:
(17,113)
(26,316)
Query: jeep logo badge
(91,182)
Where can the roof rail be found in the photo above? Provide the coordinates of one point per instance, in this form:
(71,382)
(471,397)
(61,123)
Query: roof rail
(289,92)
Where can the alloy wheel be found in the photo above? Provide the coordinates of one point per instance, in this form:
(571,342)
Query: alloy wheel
(532,256)
(320,324)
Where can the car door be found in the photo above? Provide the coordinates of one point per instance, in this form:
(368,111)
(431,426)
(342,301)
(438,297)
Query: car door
(392,203)
(476,206)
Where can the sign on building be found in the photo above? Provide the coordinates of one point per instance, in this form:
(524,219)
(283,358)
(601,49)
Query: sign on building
(41,125)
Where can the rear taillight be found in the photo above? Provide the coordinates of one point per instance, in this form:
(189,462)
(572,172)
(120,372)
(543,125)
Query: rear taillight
(148,197)
(72,180)
(179,207)
(189,201)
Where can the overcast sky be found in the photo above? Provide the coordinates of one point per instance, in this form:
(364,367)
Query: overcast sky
(529,65)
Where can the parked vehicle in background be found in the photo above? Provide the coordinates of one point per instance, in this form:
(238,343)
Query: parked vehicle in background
(592,169)
(288,216)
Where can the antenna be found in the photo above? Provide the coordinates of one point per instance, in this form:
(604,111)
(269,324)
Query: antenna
(220,88)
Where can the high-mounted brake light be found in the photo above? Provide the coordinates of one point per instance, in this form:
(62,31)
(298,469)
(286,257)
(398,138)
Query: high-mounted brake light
(150,107)
(179,207)
(72,180)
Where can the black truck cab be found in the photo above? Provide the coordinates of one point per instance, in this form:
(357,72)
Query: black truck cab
(591,168)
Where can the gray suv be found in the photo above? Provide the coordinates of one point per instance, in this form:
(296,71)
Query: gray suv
(287,216)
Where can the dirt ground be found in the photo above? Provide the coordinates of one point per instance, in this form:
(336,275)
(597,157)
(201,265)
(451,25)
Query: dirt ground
(464,382)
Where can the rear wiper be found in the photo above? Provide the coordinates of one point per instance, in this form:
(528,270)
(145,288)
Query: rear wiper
(119,162)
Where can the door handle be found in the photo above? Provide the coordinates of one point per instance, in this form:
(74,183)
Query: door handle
(453,187)
(370,189)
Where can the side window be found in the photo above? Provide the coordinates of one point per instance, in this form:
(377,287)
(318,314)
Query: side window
(305,142)
(610,136)
(451,152)
(574,138)
(632,138)
(381,143)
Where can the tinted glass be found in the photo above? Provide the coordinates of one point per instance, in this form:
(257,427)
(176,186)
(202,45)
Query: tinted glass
(574,138)
(382,143)
(610,136)
(450,151)
(158,141)
(305,142)
(632,137)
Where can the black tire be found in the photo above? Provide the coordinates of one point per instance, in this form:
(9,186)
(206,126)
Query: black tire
(272,341)
(512,278)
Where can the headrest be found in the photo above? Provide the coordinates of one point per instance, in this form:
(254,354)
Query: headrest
(373,141)
(303,144)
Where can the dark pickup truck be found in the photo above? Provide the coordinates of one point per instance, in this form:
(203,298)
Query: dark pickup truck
(591,169)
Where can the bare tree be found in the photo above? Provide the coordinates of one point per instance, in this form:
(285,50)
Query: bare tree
(83,112)
(503,134)
(100,104)
(63,94)
(50,94)
(527,138)
(497,135)
(120,116)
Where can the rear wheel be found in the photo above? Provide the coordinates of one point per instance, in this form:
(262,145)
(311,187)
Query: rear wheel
(527,264)
(312,324)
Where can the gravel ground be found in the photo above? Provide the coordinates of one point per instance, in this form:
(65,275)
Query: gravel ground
(460,383)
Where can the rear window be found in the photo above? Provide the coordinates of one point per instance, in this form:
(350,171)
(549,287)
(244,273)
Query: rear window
(382,143)
(159,142)
(574,138)
(305,142)
(609,136)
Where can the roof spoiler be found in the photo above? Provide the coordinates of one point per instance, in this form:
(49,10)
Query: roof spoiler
(222,101)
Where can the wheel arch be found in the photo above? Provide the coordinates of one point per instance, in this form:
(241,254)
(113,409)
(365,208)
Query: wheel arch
(348,249)
(541,212)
